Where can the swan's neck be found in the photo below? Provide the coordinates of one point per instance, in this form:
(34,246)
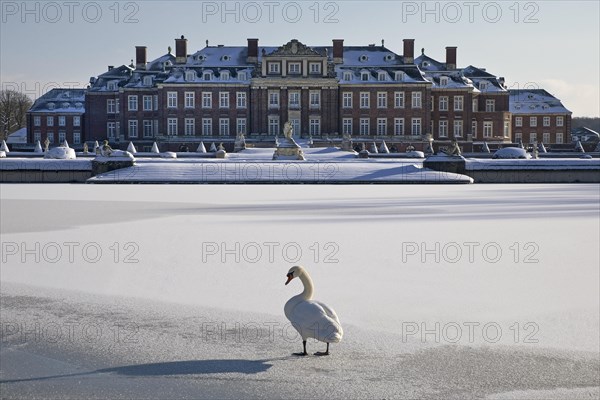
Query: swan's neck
(308,286)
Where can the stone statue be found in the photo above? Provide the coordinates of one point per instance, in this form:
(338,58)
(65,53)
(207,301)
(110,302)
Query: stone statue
(46,144)
(410,147)
(288,130)
(454,150)
(105,149)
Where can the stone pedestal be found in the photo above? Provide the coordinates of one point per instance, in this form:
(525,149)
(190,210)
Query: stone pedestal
(288,149)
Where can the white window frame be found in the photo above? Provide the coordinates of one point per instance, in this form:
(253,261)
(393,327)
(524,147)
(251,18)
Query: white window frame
(364,126)
(62,120)
(274,68)
(273,125)
(399,100)
(111,130)
(443,103)
(132,128)
(294,99)
(171,99)
(559,138)
(76,120)
(443,128)
(207,126)
(315,99)
(37,120)
(490,105)
(416,127)
(314,126)
(294,68)
(147,103)
(488,129)
(223,100)
(76,137)
(347,126)
(241,125)
(546,121)
(50,120)
(518,122)
(274,98)
(148,129)
(241,100)
(207,99)
(533,122)
(189,126)
(172,126)
(111,106)
(314,67)
(474,128)
(458,128)
(381,126)
(560,121)
(416,100)
(459,103)
(365,100)
(546,137)
(62,136)
(346,99)
(399,126)
(132,102)
(189,99)
(224,127)
(382,99)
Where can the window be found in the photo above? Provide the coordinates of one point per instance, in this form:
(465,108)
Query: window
(224,126)
(148,129)
(381,76)
(190,126)
(147,103)
(50,121)
(488,128)
(315,68)
(37,121)
(475,105)
(62,136)
(110,130)
(224,75)
(398,126)
(50,136)
(347,76)
(172,126)
(132,103)
(207,126)
(155,101)
(381,100)
(443,103)
(364,126)
(506,129)
(206,100)
(241,125)
(399,75)
(37,136)
(443,129)
(364,76)
(347,100)
(76,120)
(532,137)
(273,99)
(559,121)
(490,105)
(76,137)
(474,129)
(273,125)
(519,121)
(458,128)
(443,81)
(190,76)
(399,99)
(293,99)
(382,126)
(241,100)
(273,68)
(315,126)
(458,103)
(110,106)
(364,99)
(546,121)
(294,68)
(147,81)
(190,100)
(532,121)
(416,100)
(347,126)
(295,124)
(559,137)
(223,99)
(546,137)
(242,76)
(207,75)
(111,86)
(62,120)
(416,126)
(133,128)
(315,99)
(172,99)
(518,136)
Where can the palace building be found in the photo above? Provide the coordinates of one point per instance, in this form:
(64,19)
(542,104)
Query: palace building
(369,92)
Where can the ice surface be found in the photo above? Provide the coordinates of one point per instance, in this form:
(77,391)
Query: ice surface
(371,251)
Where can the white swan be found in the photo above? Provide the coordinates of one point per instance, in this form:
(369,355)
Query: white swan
(312,319)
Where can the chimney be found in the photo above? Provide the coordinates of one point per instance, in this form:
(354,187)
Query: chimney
(252,51)
(450,57)
(140,57)
(409,51)
(338,51)
(181,50)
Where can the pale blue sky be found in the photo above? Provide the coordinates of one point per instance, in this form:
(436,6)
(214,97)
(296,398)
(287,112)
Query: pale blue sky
(551,44)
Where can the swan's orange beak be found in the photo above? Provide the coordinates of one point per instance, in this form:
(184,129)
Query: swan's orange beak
(290,277)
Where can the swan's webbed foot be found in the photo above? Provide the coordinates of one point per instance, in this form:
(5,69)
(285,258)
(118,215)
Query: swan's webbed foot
(323,353)
(304,353)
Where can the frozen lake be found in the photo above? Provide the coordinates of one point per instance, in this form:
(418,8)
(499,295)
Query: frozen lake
(178,291)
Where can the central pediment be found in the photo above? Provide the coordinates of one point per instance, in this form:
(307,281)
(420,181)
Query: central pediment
(294,48)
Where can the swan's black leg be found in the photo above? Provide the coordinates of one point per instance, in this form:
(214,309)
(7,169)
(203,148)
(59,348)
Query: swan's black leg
(326,353)
(302,354)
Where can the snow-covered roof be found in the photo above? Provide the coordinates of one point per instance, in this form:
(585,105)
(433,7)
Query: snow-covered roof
(18,136)
(427,63)
(60,101)
(535,101)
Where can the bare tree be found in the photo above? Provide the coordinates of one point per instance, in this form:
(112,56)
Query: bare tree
(13,110)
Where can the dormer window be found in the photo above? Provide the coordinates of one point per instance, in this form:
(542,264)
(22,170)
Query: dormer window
(347,76)
(224,75)
(483,85)
(294,68)
(190,76)
(51,106)
(207,75)
(168,63)
(78,105)
(425,64)
(399,75)
(364,76)
(381,76)
(443,81)
(65,105)
(111,86)
(225,58)
(242,76)
(273,68)
(147,81)
(363,58)
(315,68)
(389,57)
